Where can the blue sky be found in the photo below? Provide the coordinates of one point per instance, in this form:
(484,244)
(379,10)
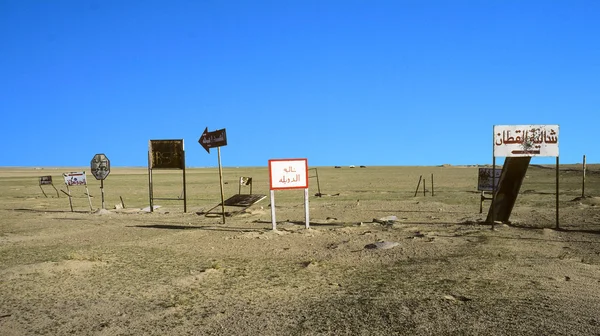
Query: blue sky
(338,82)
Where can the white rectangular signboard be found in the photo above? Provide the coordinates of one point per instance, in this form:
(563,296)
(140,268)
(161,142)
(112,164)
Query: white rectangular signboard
(485,181)
(525,140)
(288,174)
(75,178)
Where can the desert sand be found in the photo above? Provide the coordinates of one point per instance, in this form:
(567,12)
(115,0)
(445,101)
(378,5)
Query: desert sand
(437,269)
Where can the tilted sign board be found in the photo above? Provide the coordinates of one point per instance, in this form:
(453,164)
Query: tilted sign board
(485,182)
(75,178)
(166,154)
(525,140)
(288,174)
(45,180)
(100,166)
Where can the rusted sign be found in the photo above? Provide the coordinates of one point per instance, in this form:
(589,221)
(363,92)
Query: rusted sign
(166,154)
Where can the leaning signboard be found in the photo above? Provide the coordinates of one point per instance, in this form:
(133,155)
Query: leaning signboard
(166,154)
(525,140)
(485,182)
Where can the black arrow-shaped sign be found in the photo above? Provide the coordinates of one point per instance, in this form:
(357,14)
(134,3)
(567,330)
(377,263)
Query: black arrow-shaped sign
(213,139)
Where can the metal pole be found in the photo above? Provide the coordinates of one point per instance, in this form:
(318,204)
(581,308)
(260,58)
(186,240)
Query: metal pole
(184,191)
(273,221)
(493,191)
(482,197)
(418,184)
(150,181)
(583,181)
(432,185)
(70,200)
(221,182)
(306,207)
(423,187)
(557,188)
(102,192)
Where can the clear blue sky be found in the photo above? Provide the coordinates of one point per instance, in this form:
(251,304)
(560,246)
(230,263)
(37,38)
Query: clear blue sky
(338,82)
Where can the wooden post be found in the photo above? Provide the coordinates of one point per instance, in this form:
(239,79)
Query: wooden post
(423,187)
(70,200)
(221,182)
(43,192)
(432,185)
(122,203)
(89,198)
(583,180)
(418,184)
(318,185)
(557,188)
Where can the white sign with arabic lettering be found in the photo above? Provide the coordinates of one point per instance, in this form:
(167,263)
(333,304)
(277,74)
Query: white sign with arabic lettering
(525,140)
(288,174)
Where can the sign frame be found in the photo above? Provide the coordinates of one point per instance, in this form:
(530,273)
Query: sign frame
(286,174)
(530,141)
(47,180)
(166,154)
(71,179)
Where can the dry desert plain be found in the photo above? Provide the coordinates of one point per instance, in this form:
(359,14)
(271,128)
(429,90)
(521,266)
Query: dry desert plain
(131,272)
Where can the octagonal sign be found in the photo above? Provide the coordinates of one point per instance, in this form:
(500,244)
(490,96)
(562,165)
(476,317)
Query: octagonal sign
(100,166)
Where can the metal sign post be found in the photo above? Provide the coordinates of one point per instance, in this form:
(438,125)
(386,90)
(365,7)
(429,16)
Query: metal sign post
(288,174)
(100,166)
(216,139)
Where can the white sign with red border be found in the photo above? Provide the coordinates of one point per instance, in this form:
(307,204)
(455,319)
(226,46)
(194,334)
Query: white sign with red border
(525,140)
(288,174)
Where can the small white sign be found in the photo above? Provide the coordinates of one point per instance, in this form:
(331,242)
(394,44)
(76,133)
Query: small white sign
(485,182)
(75,178)
(288,174)
(525,140)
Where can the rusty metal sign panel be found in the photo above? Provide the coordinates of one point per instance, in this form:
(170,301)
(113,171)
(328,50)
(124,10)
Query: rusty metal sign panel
(486,181)
(100,166)
(166,154)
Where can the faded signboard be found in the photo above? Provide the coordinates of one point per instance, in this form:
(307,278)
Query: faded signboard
(525,140)
(75,178)
(485,180)
(288,174)
(100,166)
(166,154)
(45,180)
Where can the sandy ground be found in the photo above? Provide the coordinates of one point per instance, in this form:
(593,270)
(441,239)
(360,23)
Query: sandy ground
(440,271)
